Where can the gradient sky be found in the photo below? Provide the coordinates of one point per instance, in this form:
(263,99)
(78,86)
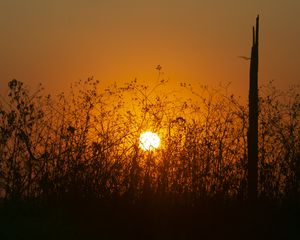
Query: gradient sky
(57,42)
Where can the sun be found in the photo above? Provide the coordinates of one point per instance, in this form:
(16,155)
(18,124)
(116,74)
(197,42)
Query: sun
(149,141)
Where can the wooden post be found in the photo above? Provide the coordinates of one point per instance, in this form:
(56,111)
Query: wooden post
(253,118)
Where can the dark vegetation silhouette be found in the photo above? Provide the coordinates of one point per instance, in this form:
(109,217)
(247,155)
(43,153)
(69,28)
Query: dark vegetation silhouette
(71,166)
(253,118)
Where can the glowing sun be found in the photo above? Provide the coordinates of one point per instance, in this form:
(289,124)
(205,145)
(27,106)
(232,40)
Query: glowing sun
(149,141)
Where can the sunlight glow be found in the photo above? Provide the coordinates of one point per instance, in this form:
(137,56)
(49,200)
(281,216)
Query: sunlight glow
(149,141)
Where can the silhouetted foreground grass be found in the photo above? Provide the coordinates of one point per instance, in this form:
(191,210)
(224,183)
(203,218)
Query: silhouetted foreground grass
(71,166)
(119,220)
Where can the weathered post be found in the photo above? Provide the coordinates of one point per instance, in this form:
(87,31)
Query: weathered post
(253,118)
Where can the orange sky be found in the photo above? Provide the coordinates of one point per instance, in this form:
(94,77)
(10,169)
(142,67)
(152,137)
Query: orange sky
(60,41)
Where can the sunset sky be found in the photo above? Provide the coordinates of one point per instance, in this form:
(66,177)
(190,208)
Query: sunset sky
(195,41)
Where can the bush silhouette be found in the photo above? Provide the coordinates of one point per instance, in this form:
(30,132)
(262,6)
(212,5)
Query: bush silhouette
(85,145)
